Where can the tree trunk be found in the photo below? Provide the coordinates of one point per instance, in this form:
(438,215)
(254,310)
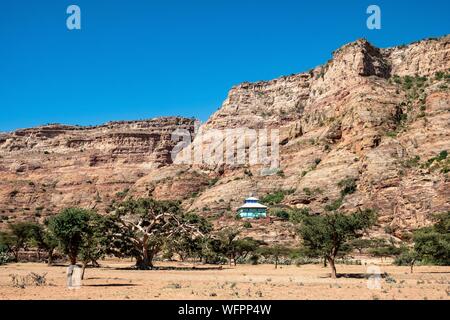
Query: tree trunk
(333,268)
(84,269)
(50,257)
(276,262)
(73,258)
(16,255)
(325,262)
(145,262)
(412,265)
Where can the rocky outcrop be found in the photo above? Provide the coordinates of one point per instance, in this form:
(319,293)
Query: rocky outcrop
(46,168)
(363,116)
(378,118)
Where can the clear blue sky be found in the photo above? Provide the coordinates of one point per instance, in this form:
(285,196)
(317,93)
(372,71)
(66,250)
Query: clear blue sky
(136,59)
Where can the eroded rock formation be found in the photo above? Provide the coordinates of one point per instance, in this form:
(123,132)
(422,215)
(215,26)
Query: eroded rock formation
(377,117)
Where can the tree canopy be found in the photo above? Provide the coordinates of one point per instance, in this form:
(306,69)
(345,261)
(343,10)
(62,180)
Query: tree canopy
(328,236)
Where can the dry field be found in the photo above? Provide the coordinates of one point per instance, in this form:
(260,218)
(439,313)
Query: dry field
(177,281)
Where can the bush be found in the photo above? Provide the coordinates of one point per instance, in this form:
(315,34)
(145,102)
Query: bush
(247,225)
(432,244)
(212,182)
(282,214)
(273,198)
(276,197)
(297,215)
(334,205)
(4,258)
(348,186)
(406,258)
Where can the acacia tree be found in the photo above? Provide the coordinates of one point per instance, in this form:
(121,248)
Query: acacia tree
(6,246)
(407,256)
(71,227)
(243,247)
(187,246)
(227,243)
(44,240)
(19,236)
(231,246)
(140,227)
(385,248)
(276,251)
(95,242)
(329,235)
(432,244)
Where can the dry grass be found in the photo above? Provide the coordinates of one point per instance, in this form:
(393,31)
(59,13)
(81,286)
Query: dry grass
(113,281)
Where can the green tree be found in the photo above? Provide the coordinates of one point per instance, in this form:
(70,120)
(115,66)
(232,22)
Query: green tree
(227,241)
(187,246)
(70,227)
(20,236)
(276,251)
(432,244)
(361,244)
(44,240)
(95,241)
(273,198)
(384,248)
(141,227)
(231,246)
(407,256)
(243,247)
(6,246)
(328,236)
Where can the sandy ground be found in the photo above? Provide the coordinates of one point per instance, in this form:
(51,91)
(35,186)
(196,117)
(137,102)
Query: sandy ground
(114,281)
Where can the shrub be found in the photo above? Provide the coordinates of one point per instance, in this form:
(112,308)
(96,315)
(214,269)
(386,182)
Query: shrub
(30,279)
(391,134)
(273,198)
(297,215)
(439,75)
(432,243)
(213,181)
(282,214)
(247,225)
(4,257)
(336,204)
(412,162)
(348,186)
(123,193)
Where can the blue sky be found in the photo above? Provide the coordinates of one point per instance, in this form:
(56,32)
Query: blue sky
(136,59)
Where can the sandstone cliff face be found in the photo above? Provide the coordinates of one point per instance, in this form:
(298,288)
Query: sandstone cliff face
(378,117)
(46,168)
(362,116)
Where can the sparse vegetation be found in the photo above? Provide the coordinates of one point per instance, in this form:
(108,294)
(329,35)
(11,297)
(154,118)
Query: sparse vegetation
(348,186)
(329,236)
(276,198)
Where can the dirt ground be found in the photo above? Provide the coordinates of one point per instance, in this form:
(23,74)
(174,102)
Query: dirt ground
(114,280)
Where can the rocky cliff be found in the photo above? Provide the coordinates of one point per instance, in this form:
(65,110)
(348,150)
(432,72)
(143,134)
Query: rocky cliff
(374,120)
(46,168)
